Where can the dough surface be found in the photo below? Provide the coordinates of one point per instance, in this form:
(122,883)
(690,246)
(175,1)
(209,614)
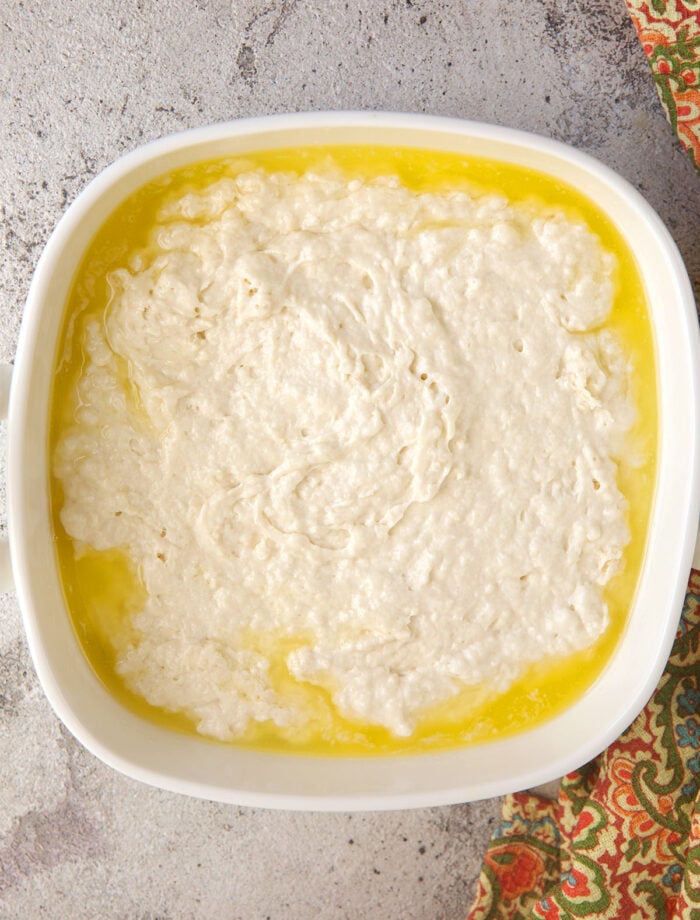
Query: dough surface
(378,422)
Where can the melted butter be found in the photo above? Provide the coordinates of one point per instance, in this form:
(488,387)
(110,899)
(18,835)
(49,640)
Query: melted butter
(103,590)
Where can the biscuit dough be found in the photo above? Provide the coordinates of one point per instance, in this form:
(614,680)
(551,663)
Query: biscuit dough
(380,423)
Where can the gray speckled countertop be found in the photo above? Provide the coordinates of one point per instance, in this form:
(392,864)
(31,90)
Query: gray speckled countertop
(82,82)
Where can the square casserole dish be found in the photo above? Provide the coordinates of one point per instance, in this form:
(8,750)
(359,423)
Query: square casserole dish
(198,767)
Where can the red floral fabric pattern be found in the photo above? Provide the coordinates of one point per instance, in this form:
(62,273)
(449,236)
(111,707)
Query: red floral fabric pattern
(669,31)
(623,840)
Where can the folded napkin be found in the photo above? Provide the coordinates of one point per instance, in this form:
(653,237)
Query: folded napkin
(669,31)
(623,839)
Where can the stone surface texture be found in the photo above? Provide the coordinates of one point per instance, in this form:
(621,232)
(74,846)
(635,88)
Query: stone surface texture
(82,82)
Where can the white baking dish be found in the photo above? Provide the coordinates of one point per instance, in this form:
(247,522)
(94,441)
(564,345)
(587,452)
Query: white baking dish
(201,768)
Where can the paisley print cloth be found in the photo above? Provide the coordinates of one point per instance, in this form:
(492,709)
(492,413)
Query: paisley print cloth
(623,840)
(669,31)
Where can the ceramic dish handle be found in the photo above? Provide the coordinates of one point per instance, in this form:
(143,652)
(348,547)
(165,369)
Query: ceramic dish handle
(6,582)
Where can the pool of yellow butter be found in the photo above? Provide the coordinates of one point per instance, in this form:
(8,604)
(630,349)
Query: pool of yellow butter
(103,589)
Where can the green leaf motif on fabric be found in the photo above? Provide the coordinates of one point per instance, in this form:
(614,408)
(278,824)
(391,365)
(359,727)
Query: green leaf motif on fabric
(591,821)
(582,891)
(631,850)
(654,899)
(577,786)
(692,870)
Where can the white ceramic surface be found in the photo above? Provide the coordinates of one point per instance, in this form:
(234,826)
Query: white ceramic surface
(197,767)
